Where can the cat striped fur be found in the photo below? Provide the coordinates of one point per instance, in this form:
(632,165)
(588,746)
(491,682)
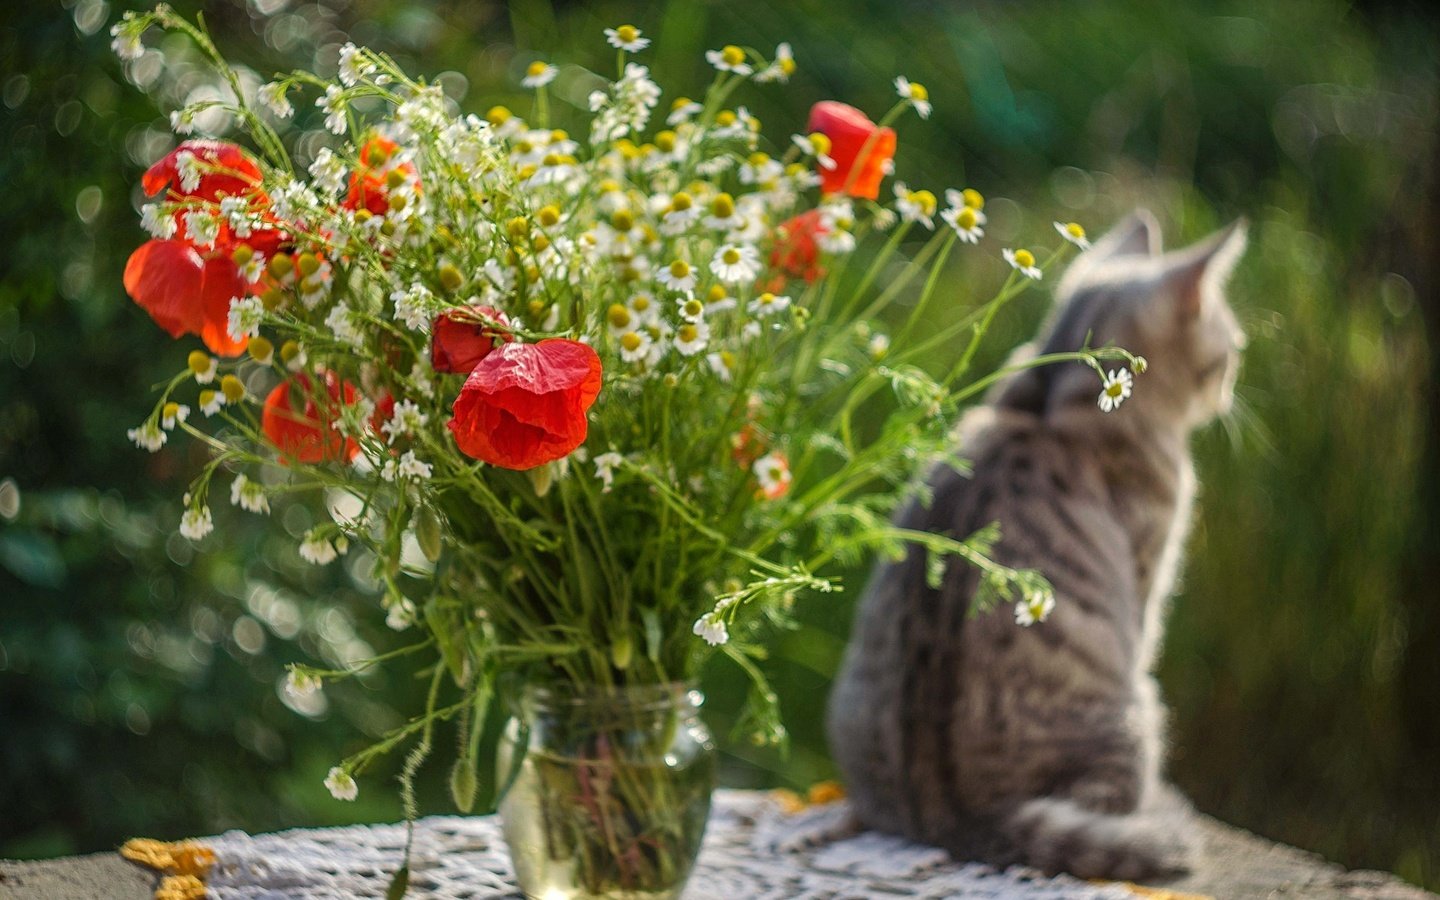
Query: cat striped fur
(1044,745)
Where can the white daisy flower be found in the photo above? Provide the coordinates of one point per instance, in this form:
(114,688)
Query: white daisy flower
(333,104)
(817,145)
(767,304)
(196,523)
(539,74)
(729,58)
(965,222)
(781,68)
(353,65)
(605,466)
(644,308)
(248,495)
(968,197)
(736,263)
(1074,233)
(172,414)
(692,309)
(340,785)
(1023,261)
(722,364)
(915,206)
(678,276)
(914,92)
(272,97)
(682,110)
(627,38)
(1034,608)
(772,471)
(712,628)
(211,402)
(246,313)
(300,683)
(635,346)
(691,338)
(1115,389)
(148,436)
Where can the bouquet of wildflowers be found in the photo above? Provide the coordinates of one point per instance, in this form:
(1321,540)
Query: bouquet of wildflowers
(584,384)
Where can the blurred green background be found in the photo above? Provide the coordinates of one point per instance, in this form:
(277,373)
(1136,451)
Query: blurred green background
(138,677)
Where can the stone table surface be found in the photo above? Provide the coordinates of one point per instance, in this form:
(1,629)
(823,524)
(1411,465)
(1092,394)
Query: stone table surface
(746,855)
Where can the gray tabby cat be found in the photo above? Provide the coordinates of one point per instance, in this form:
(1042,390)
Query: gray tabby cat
(1043,745)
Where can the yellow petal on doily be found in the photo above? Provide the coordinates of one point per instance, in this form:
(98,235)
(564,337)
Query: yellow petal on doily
(823,792)
(148,852)
(180,887)
(789,801)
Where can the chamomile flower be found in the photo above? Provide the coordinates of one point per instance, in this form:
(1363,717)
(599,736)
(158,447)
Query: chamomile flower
(1034,607)
(781,68)
(679,214)
(817,145)
(1115,389)
(711,628)
(722,363)
(353,65)
(968,197)
(195,523)
(1023,261)
(1074,233)
(249,495)
(772,471)
(915,93)
(333,105)
(915,206)
(605,466)
(635,346)
(678,276)
(246,314)
(736,263)
(644,308)
(341,785)
(539,74)
(965,222)
(729,58)
(172,414)
(760,168)
(691,338)
(768,304)
(682,110)
(718,299)
(211,402)
(272,97)
(724,215)
(148,436)
(627,38)
(691,308)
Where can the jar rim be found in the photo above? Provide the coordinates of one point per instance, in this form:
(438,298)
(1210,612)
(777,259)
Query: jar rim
(563,695)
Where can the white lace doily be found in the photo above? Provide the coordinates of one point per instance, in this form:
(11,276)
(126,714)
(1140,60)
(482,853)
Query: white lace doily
(751,852)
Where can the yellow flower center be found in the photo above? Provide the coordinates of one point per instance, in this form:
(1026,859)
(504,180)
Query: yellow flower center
(973,198)
(537,68)
(717,293)
(787,65)
(618,315)
(536,307)
(233,390)
(242,255)
(966,218)
(640,303)
(693,307)
(552,159)
(281,266)
(1075,231)
(820,143)
(732,55)
(730,256)
(681,202)
(394,178)
(497,116)
(759,158)
(170,410)
(925,200)
(288,351)
(548,215)
(559,134)
(627,33)
(723,206)
(198,361)
(1114,389)
(727,358)
(309,264)
(766,298)
(725,119)
(622,220)
(665,140)
(918,92)
(1024,259)
(679,102)
(207,398)
(261,349)
(688,333)
(680,269)
(631,341)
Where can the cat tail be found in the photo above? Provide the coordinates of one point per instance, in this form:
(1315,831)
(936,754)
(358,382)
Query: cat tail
(1059,835)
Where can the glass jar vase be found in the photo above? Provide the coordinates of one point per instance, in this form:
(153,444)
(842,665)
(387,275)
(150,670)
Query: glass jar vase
(606,791)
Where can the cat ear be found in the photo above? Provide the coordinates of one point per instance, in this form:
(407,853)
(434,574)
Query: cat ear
(1196,273)
(1138,234)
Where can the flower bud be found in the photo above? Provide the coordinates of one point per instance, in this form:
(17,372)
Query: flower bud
(450,277)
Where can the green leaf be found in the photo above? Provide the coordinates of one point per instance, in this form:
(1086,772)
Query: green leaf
(399,884)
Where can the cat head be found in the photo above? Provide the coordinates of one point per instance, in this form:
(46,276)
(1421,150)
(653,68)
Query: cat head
(1167,307)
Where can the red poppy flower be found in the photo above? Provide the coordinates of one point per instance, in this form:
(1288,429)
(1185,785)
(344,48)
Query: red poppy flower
(458,340)
(525,404)
(310,435)
(185,293)
(228,171)
(849,129)
(368,186)
(797,252)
